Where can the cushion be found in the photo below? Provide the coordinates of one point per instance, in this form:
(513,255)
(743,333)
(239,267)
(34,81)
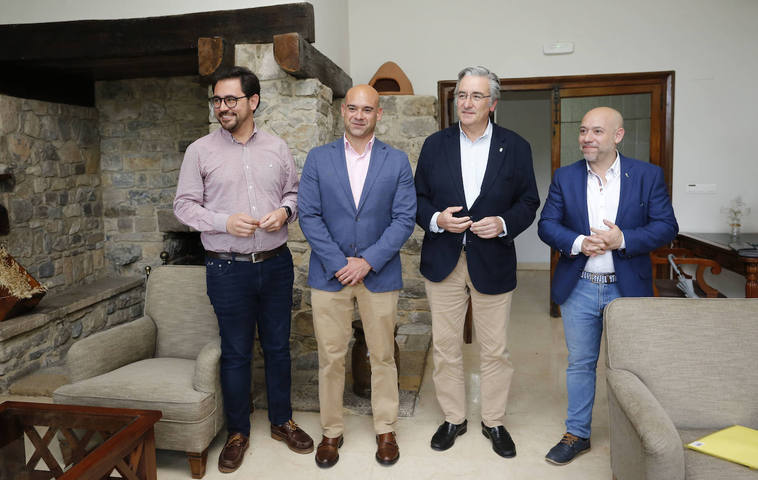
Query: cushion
(694,355)
(163,384)
(177,302)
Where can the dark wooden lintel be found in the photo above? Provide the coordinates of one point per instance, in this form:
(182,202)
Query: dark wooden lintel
(301,59)
(68,57)
(136,37)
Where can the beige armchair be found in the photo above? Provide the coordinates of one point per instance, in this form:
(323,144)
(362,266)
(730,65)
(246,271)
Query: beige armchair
(679,369)
(168,360)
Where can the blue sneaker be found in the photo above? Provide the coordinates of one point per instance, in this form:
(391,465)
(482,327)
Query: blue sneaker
(568,449)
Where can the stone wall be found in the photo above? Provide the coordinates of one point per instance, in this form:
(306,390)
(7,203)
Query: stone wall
(145,127)
(53,200)
(42,338)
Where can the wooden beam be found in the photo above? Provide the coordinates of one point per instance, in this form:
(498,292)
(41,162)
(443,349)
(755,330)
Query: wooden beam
(136,37)
(213,54)
(301,59)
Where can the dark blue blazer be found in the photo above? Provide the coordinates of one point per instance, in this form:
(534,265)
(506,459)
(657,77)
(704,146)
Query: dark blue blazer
(336,229)
(508,190)
(644,215)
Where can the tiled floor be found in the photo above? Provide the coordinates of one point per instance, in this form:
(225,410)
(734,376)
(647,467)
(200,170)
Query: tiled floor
(535,420)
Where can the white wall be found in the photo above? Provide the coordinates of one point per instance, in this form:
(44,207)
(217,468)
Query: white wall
(710,45)
(529,114)
(330,15)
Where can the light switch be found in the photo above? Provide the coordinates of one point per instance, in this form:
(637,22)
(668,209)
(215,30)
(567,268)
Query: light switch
(701,188)
(557,48)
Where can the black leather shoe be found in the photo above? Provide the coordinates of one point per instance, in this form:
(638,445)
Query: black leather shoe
(444,438)
(502,443)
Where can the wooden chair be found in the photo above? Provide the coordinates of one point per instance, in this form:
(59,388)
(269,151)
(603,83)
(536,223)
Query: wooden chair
(664,280)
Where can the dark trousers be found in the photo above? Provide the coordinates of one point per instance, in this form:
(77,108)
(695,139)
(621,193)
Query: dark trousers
(245,295)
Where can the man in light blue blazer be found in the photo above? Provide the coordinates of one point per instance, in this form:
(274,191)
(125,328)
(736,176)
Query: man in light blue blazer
(357,207)
(604,215)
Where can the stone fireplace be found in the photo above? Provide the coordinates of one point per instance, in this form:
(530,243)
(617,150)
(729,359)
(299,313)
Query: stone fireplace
(92,202)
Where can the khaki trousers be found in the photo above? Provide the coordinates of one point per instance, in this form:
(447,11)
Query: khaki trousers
(448,300)
(332,323)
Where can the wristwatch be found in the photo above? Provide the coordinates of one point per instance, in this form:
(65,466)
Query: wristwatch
(288,210)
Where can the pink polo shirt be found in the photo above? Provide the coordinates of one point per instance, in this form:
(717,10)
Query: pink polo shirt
(357,167)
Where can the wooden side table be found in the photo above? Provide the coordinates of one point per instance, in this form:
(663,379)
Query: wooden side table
(98,441)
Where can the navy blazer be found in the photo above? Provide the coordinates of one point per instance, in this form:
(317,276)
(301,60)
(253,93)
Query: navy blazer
(508,190)
(644,215)
(375,230)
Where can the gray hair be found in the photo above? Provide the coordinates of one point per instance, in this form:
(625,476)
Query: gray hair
(480,71)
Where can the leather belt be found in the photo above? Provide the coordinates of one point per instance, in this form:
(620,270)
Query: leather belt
(599,277)
(247,257)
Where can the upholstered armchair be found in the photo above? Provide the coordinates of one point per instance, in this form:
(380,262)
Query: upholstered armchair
(167,360)
(679,369)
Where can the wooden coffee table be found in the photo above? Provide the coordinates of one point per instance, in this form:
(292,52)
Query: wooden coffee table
(94,441)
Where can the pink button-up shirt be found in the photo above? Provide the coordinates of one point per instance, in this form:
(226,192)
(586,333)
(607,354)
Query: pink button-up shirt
(357,167)
(220,177)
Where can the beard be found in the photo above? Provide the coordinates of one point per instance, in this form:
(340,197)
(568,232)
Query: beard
(229,121)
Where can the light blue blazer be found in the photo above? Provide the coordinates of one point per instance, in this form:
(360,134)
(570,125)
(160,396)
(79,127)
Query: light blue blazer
(375,230)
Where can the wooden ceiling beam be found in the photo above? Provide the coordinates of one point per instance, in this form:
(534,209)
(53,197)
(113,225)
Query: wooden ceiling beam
(152,36)
(301,60)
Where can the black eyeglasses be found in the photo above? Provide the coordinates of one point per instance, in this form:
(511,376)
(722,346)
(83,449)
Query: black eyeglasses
(475,97)
(230,101)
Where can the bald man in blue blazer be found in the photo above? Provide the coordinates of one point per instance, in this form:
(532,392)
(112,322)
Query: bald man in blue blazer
(604,215)
(357,207)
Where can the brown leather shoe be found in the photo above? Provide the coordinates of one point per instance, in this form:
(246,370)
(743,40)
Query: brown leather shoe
(233,453)
(327,452)
(387,451)
(295,438)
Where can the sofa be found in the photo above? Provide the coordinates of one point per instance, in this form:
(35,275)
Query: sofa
(679,369)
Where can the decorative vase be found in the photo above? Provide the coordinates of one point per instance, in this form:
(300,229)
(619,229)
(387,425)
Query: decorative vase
(735,232)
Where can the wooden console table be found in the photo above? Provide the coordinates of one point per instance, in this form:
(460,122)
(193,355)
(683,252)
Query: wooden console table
(716,247)
(95,441)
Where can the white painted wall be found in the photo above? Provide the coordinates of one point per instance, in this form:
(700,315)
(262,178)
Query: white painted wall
(330,15)
(529,114)
(706,42)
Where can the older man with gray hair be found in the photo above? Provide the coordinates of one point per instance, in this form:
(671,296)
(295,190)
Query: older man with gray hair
(476,192)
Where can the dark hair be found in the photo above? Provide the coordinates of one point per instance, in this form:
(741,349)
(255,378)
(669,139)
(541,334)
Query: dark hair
(249,82)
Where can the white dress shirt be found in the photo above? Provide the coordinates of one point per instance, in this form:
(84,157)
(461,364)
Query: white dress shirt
(602,204)
(474,157)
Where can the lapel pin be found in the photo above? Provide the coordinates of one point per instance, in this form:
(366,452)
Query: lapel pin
(627,174)
(501,149)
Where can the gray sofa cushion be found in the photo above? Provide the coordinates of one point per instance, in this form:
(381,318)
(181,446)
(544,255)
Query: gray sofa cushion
(696,356)
(177,301)
(111,349)
(163,384)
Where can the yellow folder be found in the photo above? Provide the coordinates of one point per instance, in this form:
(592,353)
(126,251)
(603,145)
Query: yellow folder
(737,444)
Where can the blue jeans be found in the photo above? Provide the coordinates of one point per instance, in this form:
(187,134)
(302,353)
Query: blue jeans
(583,326)
(245,295)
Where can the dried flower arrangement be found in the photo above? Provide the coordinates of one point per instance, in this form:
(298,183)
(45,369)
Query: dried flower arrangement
(19,291)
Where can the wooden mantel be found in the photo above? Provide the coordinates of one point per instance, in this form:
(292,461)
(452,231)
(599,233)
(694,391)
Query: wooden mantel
(61,61)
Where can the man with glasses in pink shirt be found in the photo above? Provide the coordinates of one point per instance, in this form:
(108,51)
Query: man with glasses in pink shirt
(357,208)
(238,187)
